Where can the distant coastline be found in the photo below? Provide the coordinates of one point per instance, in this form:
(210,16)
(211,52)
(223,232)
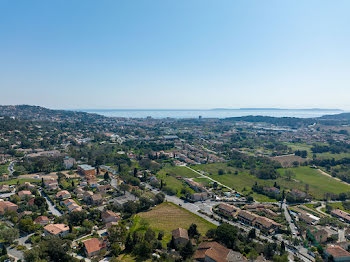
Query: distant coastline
(212,113)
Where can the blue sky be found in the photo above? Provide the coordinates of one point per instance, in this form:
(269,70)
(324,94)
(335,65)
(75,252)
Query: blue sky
(175,54)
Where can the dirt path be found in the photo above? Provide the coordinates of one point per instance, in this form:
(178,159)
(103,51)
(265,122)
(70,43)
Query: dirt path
(320,211)
(326,174)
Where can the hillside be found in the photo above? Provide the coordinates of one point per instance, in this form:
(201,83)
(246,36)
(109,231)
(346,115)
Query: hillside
(37,113)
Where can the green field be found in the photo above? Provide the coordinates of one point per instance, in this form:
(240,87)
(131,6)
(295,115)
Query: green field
(202,180)
(242,182)
(329,155)
(3,169)
(319,184)
(300,146)
(167,216)
(338,205)
(14,181)
(171,180)
(178,171)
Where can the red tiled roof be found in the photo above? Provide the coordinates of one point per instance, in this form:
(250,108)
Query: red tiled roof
(92,245)
(180,232)
(337,251)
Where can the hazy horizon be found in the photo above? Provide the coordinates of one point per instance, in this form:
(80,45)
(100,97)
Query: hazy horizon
(185,54)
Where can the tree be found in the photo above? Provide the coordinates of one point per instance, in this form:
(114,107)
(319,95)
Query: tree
(115,249)
(117,233)
(172,243)
(226,234)
(307,187)
(130,207)
(77,218)
(40,202)
(52,249)
(4,251)
(221,172)
(211,233)
(269,250)
(145,203)
(193,231)
(143,249)
(135,172)
(252,233)
(252,255)
(160,235)
(26,225)
(289,174)
(159,198)
(129,243)
(9,234)
(283,248)
(106,176)
(150,235)
(187,251)
(124,187)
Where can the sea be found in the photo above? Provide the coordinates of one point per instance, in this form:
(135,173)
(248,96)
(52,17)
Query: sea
(212,113)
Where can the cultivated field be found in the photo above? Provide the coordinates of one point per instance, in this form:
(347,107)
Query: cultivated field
(167,217)
(288,160)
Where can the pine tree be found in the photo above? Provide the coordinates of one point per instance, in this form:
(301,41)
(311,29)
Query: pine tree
(129,243)
(187,251)
(192,231)
(4,250)
(172,244)
(283,248)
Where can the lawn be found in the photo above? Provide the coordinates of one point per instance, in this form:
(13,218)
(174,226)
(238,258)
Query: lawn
(171,180)
(3,169)
(167,216)
(202,180)
(14,181)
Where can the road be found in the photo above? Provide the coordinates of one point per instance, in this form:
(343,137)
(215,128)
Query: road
(301,250)
(323,205)
(11,167)
(5,195)
(289,219)
(52,208)
(17,254)
(341,233)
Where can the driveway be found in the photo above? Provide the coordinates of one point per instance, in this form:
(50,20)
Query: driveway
(52,208)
